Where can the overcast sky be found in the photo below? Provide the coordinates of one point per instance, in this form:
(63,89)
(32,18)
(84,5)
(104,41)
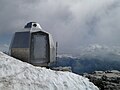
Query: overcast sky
(73,23)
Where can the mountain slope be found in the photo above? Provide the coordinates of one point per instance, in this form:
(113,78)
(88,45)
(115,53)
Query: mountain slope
(92,58)
(17,75)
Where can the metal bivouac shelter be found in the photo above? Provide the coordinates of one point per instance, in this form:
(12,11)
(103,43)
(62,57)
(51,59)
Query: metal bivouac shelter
(33,45)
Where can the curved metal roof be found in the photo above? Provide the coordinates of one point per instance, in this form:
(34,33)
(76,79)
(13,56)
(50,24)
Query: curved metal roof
(33,25)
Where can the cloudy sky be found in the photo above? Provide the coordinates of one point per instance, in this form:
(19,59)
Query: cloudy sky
(73,23)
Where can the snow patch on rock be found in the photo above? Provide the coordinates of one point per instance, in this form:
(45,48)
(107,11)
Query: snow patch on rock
(18,75)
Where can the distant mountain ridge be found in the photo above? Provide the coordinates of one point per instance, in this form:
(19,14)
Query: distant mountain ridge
(92,58)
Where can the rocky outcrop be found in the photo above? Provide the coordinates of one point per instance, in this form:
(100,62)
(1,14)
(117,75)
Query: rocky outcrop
(108,80)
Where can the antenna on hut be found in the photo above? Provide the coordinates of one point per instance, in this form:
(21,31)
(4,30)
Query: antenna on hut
(56,50)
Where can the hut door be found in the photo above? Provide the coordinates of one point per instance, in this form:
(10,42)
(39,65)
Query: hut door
(39,48)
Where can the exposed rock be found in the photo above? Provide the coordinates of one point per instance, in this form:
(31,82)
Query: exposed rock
(108,80)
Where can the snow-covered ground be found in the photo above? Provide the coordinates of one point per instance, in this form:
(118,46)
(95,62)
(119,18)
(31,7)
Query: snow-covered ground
(17,75)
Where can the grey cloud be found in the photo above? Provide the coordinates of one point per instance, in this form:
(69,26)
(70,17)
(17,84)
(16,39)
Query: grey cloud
(73,23)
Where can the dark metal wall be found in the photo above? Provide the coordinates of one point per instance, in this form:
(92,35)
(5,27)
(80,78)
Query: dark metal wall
(36,48)
(20,53)
(21,40)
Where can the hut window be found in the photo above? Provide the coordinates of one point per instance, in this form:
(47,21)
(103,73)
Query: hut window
(35,25)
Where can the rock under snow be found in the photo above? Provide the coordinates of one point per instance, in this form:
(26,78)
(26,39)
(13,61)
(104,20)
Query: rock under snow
(17,75)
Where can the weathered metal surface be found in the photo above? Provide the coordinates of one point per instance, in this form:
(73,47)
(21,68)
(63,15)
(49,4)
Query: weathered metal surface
(33,45)
(20,53)
(39,52)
